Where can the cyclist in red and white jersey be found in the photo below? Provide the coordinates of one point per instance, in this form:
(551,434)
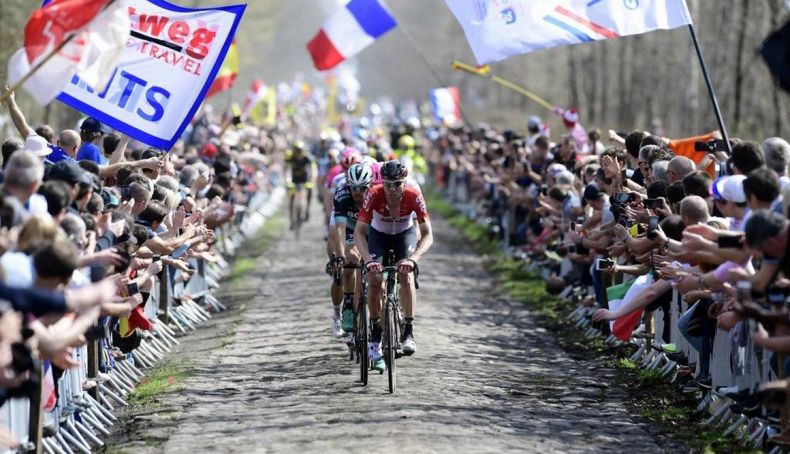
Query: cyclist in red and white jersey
(384,223)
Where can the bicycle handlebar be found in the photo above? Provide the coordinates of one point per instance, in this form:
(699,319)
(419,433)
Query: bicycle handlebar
(415,270)
(338,275)
(354,266)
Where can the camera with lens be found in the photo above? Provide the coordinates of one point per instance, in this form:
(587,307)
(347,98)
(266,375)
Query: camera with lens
(712,146)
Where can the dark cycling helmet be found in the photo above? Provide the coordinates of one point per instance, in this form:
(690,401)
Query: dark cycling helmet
(394,170)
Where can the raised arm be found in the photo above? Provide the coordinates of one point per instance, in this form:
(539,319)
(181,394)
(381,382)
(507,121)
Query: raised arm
(18,117)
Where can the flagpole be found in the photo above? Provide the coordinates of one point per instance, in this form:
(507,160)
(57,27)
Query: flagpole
(504,82)
(711,92)
(427,63)
(49,56)
(35,68)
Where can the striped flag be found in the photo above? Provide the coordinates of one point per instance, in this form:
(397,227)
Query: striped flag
(446,104)
(349,31)
(498,30)
(228,72)
(618,295)
(49,398)
(99,31)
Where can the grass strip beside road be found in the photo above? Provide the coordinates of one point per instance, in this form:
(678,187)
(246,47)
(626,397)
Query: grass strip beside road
(649,395)
(161,380)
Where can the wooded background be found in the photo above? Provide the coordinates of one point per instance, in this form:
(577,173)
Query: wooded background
(649,81)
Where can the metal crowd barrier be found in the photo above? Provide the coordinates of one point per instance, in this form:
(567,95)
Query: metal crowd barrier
(176,305)
(750,431)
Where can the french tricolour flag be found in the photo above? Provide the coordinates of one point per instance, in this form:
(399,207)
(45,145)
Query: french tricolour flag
(446,104)
(348,31)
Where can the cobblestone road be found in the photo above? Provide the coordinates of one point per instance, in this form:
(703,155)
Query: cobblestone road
(485,378)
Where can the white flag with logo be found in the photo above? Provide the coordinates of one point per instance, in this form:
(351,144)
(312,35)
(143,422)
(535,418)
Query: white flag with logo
(498,29)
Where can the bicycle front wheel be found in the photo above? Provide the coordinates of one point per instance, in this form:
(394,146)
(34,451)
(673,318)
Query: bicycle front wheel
(392,345)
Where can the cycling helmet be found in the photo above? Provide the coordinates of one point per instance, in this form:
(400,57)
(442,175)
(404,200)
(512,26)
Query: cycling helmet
(394,170)
(350,157)
(359,175)
(406,142)
(297,145)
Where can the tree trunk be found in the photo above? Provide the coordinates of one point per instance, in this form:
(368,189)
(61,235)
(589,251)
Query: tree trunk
(572,77)
(604,117)
(740,70)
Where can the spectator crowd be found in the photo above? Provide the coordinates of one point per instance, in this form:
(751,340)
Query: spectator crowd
(646,227)
(92,223)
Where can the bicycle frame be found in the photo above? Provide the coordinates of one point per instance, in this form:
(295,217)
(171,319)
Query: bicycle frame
(392,326)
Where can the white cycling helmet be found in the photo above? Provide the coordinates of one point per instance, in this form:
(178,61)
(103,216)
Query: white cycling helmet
(360,174)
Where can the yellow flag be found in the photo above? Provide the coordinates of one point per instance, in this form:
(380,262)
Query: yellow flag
(228,72)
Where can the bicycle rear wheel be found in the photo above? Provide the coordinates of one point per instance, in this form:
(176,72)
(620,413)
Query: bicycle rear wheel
(363,337)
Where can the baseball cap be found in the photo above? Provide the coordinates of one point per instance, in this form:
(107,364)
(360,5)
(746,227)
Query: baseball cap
(70,172)
(534,122)
(109,198)
(729,188)
(570,117)
(37,145)
(91,124)
(591,192)
(209,150)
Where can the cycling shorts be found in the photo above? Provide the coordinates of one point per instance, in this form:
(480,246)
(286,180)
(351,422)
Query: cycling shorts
(293,188)
(403,244)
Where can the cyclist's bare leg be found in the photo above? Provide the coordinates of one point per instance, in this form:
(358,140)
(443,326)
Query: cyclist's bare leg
(374,294)
(336,291)
(350,281)
(408,300)
(302,214)
(309,202)
(407,294)
(291,208)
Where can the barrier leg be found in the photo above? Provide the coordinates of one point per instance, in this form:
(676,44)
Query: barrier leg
(72,429)
(61,442)
(780,362)
(51,447)
(35,429)
(106,402)
(93,365)
(69,439)
(88,434)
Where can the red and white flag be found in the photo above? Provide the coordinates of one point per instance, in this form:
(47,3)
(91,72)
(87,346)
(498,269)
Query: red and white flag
(256,93)
(49,397)
(100,34)
(622,294)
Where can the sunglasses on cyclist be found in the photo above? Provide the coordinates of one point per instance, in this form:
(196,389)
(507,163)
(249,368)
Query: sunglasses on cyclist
(394,184)
(359,188)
